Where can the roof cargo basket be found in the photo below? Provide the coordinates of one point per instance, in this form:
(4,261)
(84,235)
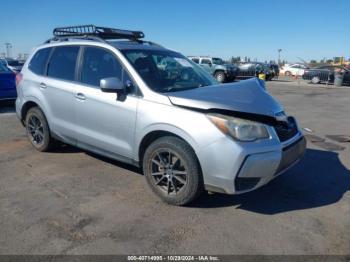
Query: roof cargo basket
(94,32)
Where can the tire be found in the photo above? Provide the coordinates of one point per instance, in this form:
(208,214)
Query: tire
(38,131)
(220,76)
(287,73)
(315,80)
(178,181)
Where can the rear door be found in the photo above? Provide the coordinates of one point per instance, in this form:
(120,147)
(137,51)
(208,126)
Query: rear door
(106,125)
(59,88)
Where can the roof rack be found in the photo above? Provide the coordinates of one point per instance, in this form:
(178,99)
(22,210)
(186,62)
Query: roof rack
(94,33)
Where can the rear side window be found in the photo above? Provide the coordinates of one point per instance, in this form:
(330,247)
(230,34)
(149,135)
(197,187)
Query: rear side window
(206,61)
(99,63)
(38,63)
(196,60)
(62,62)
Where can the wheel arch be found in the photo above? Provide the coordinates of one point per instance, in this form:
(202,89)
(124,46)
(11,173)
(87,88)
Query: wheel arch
(26,107)
(219,70)
(151,135)
(29,103)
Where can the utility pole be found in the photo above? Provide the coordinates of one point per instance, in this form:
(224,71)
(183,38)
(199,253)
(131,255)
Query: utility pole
(8,49)
(279,56)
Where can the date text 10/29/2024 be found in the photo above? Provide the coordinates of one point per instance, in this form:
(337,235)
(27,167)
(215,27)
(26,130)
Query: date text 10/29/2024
(173,258)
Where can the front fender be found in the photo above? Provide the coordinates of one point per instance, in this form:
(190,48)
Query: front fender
(165,128)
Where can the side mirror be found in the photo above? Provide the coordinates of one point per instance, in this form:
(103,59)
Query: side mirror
(112,85)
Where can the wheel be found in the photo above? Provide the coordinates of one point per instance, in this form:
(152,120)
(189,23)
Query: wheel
(287,73)
(38,130)
(172,171)
(220,76)
(315,80)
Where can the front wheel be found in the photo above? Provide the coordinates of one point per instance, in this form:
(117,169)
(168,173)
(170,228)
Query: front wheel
(38,131)
(220,76)
(172,171)
(315,80)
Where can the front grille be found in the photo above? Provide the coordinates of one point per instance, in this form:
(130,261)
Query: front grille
(286,130)
(291,153)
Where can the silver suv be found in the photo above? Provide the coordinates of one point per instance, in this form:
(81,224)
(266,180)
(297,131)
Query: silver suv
(140,103)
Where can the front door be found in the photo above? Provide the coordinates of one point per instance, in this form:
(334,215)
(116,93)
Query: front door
(106,125)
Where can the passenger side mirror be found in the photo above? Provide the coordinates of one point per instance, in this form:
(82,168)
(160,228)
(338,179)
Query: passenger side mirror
(112,85)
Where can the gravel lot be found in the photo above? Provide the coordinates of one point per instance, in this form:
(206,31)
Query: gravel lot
(73,202)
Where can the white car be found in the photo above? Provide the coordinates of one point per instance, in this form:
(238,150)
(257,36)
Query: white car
(293,70)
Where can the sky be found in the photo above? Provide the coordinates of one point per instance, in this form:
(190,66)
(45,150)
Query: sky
(309,29)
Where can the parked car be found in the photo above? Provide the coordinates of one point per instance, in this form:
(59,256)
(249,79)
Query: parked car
(275,69)
(325,73)
(12,64)
(253,69)
(7,83)
(293,70)
(217,67)
(187,133)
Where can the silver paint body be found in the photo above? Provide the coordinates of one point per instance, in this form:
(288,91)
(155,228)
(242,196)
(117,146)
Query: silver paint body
(93,120)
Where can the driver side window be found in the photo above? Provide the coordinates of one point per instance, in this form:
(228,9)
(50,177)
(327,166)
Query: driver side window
(99,63)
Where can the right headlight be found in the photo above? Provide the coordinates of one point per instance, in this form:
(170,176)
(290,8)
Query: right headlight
(239,129)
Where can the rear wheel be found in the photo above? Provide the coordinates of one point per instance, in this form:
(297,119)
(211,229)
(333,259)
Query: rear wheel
(38,131)
(220,76)
(172,171)
(315,80)
(287,73)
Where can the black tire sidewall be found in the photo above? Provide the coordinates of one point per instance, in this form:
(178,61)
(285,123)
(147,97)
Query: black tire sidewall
(40,115)
(194,184)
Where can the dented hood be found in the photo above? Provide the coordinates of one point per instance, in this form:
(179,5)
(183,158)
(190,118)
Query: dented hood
(248,96)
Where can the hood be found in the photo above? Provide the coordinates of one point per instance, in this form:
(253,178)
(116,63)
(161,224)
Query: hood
(248,96)
(229,65)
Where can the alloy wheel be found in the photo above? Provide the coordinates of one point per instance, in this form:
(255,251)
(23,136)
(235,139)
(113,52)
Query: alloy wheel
(168,171)
(36,130)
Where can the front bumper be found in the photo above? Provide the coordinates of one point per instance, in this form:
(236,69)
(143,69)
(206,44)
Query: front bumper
(233,168)
(231,74)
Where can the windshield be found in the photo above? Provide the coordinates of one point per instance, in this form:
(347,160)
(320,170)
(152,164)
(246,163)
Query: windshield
(13,62)
(217,61)
(167,71)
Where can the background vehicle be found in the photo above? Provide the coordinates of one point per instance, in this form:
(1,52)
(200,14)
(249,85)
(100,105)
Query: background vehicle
(325,73)
(7,83)
(275,69)
(293,70)
(215,66)
(12,64)
(172,119)
(252,69)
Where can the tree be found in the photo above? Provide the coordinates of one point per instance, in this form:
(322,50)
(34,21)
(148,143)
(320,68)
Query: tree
(235,60)
(313,61)
(329,61)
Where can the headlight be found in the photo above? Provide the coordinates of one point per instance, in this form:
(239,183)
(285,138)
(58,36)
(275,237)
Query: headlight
(239,129)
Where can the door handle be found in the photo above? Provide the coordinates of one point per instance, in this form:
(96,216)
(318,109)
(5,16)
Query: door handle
(80,96)
(42,85)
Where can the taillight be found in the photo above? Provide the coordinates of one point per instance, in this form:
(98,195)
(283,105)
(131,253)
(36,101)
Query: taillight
(19,78)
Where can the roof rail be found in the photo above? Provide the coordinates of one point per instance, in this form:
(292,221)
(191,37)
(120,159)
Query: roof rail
(93,33)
